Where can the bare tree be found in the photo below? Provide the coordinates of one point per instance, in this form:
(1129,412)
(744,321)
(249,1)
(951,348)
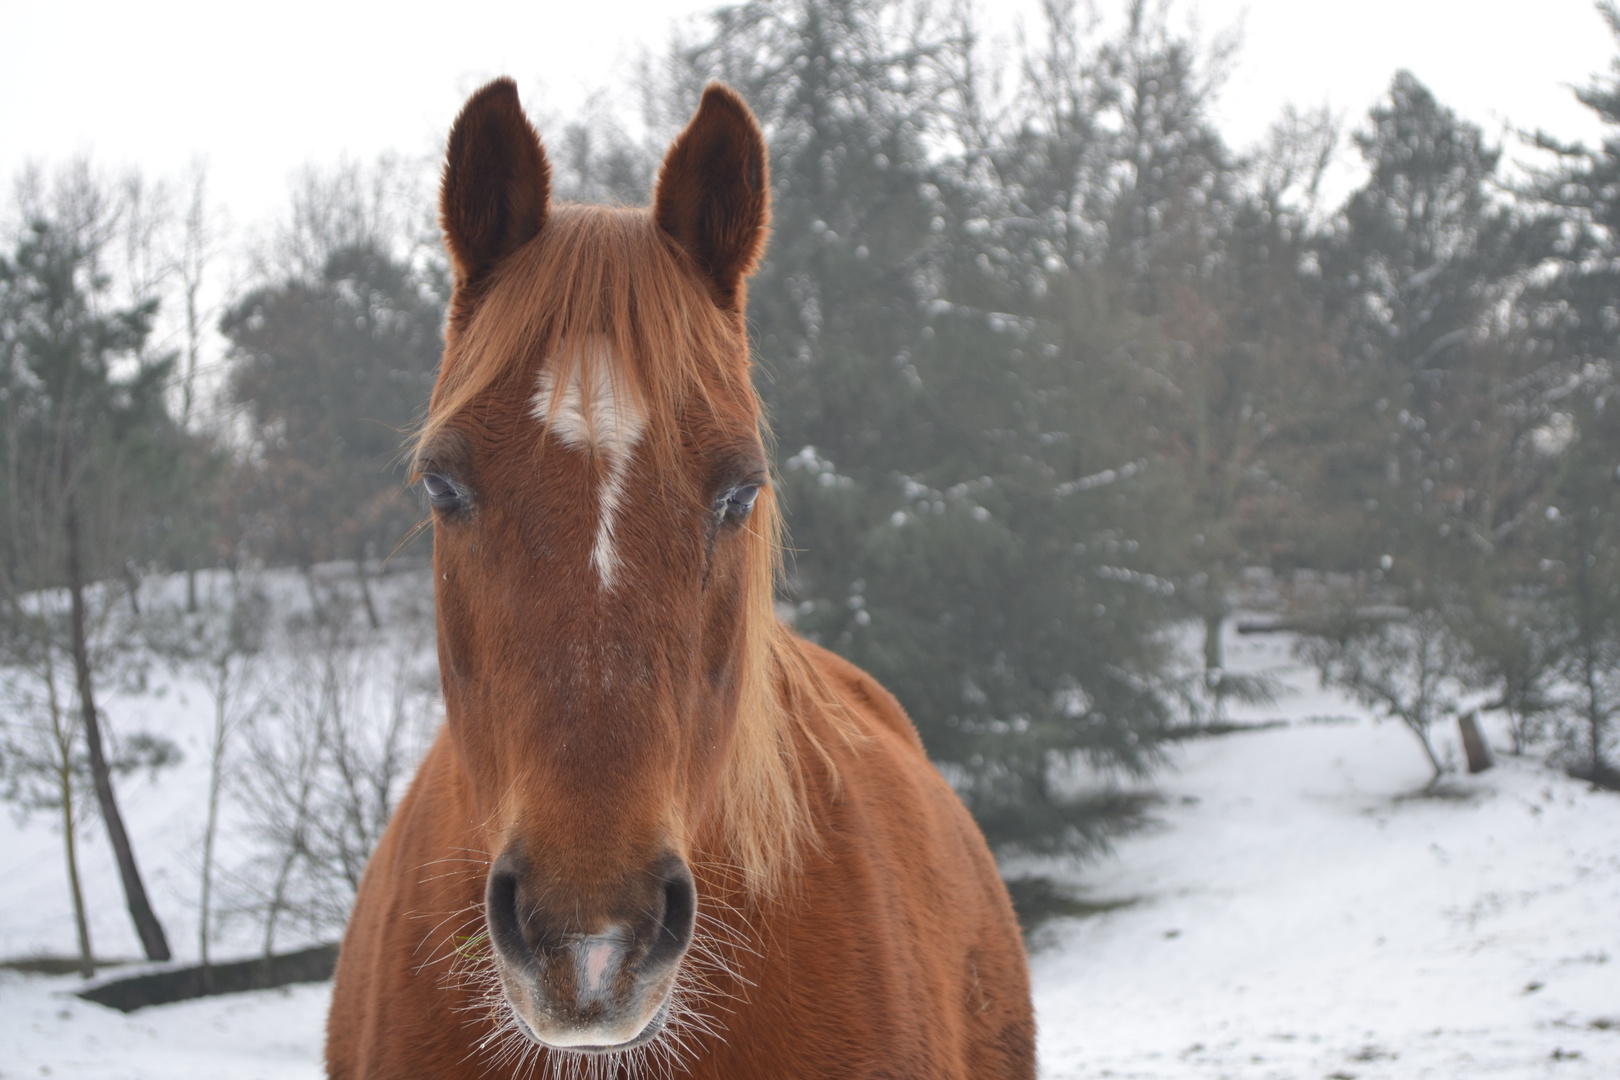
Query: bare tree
(1409,669)
(198,244)
(384,206)
(219,642)
(40,753)
(328,760)
(45,763)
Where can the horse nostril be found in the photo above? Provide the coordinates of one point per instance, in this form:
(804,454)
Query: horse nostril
(501,911)
(680,911)
(529,937)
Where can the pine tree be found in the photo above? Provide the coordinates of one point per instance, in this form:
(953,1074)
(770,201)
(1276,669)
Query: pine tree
(1118,161)
(1411,272)
(1577,317)
(332,373)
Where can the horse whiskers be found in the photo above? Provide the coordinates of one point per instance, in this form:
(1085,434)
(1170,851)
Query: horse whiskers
(709,980)
(470,911)
(447,875)
(483,858)
(457,944)
(735,939)
(478,858)
(482,863)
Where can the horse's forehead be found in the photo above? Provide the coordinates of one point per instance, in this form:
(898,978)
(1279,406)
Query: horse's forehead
(585,399)
(597,407)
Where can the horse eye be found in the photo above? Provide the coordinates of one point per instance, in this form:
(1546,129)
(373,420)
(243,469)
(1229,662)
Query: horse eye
(741,501)
(442,492)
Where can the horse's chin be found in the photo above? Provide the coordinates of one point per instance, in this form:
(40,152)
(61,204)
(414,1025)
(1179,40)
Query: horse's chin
(592,1039)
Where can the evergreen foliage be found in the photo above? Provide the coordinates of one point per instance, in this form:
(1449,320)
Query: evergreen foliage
(1575,319)
(332,372)
(84,412)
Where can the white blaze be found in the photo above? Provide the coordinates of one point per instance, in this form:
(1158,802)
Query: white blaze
(608,422)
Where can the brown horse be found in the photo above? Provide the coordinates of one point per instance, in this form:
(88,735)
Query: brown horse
(658,833)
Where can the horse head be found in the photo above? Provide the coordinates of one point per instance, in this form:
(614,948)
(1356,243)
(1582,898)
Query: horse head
(603,559)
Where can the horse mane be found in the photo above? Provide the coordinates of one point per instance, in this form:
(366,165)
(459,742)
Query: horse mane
(610,272)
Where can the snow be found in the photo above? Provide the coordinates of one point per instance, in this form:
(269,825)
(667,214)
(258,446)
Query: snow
(1297,909)
(265,1035)
(1298,915)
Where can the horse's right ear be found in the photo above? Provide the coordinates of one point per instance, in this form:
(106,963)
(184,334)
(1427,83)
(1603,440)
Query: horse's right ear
(497,184)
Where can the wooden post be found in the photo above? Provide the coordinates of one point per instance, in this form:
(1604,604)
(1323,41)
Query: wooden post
(1474,744)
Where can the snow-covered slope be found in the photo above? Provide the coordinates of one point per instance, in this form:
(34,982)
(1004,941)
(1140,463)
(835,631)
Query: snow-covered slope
(1298,914)
(1295,913)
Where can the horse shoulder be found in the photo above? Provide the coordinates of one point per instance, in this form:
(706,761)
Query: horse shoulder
(903,910)
(862,693)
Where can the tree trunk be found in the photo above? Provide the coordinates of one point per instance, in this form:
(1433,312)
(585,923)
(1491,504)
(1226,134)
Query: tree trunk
(1598,765)
(1594,708)
(216,767)
(63,738)
(81,922)
(1422,732)
(147,926)
(1215,662)
(64,778)
(133,580)
(365,591)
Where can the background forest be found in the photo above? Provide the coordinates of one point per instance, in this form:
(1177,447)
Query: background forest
(1058,381)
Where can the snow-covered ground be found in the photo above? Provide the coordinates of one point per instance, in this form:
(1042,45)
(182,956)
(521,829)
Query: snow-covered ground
(1298,914)
(266,1035)
(1295,911)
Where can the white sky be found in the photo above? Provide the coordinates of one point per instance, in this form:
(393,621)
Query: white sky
(260,89)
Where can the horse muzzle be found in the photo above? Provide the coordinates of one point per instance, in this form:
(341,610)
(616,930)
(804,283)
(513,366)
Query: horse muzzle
(590,976)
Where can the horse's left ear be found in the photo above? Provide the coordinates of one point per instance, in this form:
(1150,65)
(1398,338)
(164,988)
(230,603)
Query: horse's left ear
(714,193)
